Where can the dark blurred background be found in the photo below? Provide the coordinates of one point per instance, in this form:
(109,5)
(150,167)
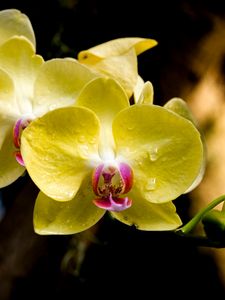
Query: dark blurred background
(113,259)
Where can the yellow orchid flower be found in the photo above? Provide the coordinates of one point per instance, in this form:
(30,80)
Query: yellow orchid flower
(105,155)
(30,87)
(118,59)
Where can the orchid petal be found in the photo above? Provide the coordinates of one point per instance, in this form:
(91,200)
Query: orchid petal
(138,88)
(106,98)
(10,169)
(163,149)
(116,47)
(8,104)
(118,59)
(13,22)
(113,204)
(180,107)
(146,94)
(59,83)
(18,59)
(54,217)
(149,216)
(57,149)
(122,68)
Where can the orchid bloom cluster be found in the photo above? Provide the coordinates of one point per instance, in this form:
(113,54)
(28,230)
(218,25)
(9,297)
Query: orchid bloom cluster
(70,124)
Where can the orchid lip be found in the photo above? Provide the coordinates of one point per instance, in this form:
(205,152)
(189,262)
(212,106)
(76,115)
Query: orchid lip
(113,204)
(18,128)
(109,182)
(19,158)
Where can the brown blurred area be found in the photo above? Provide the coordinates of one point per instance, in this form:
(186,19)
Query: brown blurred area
(203,87)
(207,100)
(112,259)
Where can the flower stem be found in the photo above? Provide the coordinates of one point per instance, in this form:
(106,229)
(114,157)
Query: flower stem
(197,218)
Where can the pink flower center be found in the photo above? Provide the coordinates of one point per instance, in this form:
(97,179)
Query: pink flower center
(18,128)
(109,183)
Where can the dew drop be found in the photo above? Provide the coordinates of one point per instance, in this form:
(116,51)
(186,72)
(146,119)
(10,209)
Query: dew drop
(150,186)
(92,140)
(130,127)
(153,154)
(85,149)
(140,163)
(81,139)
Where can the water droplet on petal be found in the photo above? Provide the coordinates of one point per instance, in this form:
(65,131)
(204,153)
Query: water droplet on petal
(81,139)
(92,140)
(140,163)
(130,127)
(153,154)
(151,184)
(84,150)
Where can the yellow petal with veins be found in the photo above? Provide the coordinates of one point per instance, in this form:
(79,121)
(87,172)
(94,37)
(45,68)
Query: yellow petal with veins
(9,107)
(115,48)
(106,98)
(59,150)
(54,217)
(59,83)
(18,59)
(180,107)
(13,22)
(164,150)
(10,169)
(149,216)
(145,95)
(118,59)
(122,68)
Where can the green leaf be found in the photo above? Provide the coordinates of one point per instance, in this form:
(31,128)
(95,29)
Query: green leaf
(214,224)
